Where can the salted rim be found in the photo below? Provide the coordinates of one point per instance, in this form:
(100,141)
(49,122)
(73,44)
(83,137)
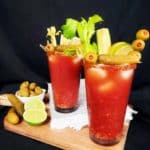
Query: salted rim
(112,67)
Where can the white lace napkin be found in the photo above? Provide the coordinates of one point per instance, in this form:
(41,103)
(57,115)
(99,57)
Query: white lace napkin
(78,118)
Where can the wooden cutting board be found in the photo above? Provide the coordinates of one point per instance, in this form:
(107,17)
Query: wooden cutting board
(67,138)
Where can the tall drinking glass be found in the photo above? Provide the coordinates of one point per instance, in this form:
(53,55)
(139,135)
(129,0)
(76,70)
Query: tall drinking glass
(107,91)
(65,79)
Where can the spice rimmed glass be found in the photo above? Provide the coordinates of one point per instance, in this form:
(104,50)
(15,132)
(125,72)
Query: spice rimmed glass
(65,79)
(107,91)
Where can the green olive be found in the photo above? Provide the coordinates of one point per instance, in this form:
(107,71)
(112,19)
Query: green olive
(138,45)
(24,92)
(38,90)
(32,93)
(32,86)
(143,34)
(24,84)
(91,58)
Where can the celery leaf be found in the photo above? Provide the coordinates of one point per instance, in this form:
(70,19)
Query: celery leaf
(69,29)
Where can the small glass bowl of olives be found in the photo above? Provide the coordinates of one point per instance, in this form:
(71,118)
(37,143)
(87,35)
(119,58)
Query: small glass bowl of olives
(29,90)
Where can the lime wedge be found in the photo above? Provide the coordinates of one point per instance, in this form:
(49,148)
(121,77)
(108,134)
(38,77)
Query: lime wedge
(120,48)
(34,103)
(35,116)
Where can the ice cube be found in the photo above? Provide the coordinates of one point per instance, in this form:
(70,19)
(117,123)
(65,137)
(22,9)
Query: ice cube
(52,59)
(77,59)
(99,72)
(107,86)
(127,74)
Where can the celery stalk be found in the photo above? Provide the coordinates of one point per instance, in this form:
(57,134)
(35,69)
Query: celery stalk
(103,40)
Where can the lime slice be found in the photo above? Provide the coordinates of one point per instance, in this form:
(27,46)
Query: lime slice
(115,47)
(124,50)
(35,116)
(34,103)
(120,48)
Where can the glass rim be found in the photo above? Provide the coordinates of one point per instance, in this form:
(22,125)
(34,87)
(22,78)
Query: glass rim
(61,55)
(114,67)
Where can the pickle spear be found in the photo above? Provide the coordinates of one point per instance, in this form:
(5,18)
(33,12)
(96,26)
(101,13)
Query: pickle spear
(16,103)
(12,117)
(132,58)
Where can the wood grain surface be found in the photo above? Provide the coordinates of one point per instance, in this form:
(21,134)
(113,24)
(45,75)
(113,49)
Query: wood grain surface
(67,138)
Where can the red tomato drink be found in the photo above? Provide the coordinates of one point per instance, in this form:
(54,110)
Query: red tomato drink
(107,90)
(65,79)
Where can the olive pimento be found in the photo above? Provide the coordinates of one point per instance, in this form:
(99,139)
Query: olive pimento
(91,58)
(143,34)
(138,45)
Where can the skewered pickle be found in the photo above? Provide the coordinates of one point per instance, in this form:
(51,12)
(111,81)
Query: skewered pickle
(136,54)
(132,58)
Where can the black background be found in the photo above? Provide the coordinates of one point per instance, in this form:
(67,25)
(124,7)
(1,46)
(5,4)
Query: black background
(23,25)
